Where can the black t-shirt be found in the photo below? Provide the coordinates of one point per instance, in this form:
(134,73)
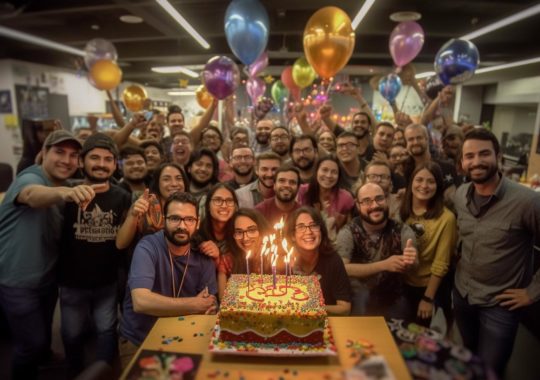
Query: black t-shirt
(334,280)
(88,254)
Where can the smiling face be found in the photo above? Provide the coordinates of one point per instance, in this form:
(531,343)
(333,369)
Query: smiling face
(424,185)
(180,234)
(347,148)
(417,141)
(170,181)
(212,140)
(307,233)
(181,149)
(251,238)
(372,204)
(479,160)
(286,186)
(98,165)
(360,125)
(266,170)
(222,205)
(304,154)
(201,170)
(262,131)
(327,142)
(279,141)
(153,157)
(60,160)
(176,122)
(328,174)
(382,141)
(134,168)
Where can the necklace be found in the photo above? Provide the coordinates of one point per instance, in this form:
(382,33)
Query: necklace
(174,292)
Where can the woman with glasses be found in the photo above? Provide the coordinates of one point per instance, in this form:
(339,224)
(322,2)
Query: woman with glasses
(219,206)
(146,216)
(325,193)
(315,255)
(245,232)
(435,228)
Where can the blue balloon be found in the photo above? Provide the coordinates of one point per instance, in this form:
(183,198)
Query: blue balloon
(456,61)
(246,29)
(390,86)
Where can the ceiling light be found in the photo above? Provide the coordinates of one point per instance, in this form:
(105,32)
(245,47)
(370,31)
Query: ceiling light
(504,22)
(405,16)
(362,13)
(181,93)
(425,74)
(182,21)
(16,35)
(508,65)
(175,69)
(94,27)
(131,19)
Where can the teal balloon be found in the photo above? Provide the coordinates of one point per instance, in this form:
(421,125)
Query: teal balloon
(389,87)
(247,29)
(279,92)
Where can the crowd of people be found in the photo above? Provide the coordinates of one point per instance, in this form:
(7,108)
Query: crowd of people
(127,226)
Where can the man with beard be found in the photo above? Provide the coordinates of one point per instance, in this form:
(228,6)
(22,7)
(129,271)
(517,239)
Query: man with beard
(242,163)
(175,120)
(416,136)
(181,148)
(202,169)
(499,222)
(212,138)
(286,184)
(280,141)
(451,143)
(261,143)
(347,154)
(376,251)
(382,140)
(266,166)
(304,155)
(89,259)
(133,164)
(169,276)
(153,152)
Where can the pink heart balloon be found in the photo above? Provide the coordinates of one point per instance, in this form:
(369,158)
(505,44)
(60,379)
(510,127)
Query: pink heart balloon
(406,41)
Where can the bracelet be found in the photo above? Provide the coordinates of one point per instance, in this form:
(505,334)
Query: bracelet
(427,299)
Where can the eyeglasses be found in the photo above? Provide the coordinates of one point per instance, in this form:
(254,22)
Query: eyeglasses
(250,232)
(348,146)
(303,151)
(176,220)
(379,199)
(210,137)
(302,228)
(378,177)
(181,142)
(280,138)
(247,157)
(219,201)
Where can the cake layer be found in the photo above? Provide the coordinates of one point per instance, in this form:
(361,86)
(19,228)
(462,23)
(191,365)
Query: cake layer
(289,310)
(282,337)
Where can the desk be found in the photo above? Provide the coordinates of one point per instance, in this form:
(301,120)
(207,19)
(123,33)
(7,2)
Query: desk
(344,329)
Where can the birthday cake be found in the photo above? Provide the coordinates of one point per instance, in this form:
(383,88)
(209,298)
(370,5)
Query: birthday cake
(291,312)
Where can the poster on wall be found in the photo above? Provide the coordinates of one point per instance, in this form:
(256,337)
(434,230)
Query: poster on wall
(5,102)
(32,102)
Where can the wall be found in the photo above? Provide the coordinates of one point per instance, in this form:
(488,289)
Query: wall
(471,104)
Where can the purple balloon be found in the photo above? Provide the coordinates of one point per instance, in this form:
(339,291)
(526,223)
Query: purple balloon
(259,65)
(221,76)
(406,41)
(255,88)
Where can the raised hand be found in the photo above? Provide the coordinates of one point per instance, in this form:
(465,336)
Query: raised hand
(409,253)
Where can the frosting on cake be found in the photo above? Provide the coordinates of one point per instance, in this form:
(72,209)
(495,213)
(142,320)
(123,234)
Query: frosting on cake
(292,312)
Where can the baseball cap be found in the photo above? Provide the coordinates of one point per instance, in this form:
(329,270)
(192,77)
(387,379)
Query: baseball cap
(59,136)
(99,140)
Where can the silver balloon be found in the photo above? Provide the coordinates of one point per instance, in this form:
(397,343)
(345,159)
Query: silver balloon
(98,49)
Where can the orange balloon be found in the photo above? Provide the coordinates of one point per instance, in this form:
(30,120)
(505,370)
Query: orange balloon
(106,74)
(203,97)
(134,97)
(328,41)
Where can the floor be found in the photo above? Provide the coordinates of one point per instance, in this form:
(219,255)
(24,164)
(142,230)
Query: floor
(524,364)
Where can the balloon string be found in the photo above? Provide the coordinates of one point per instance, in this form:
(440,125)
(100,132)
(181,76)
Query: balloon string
(404,99)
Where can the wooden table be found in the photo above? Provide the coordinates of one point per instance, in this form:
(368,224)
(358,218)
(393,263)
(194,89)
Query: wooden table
(195,332)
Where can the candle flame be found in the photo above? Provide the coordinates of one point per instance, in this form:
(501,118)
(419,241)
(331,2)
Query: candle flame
(248,254)
(285,245)
(279,225)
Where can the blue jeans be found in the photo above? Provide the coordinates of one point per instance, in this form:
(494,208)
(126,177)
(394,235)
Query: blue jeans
(29,313)
(77,306)
(487,331)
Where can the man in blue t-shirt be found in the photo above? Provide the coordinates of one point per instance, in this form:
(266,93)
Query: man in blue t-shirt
(30,224)
(169,276)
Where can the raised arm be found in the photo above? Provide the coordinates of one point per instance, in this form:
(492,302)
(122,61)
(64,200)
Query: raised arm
(39,196)
(117,115)
(203,122)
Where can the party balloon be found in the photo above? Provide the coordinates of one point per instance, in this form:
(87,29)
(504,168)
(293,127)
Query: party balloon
(203,97)
(221,76)
(456,61)
(246,29)
(106,75)
(99,49)
(433,86)
(406,41)
(288,81)
(302,73)
(279,92)
(255,88)
(259,65)
(328,41)
(389,87)
(134,97)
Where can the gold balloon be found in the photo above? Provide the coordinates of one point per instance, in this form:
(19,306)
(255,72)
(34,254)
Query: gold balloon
(134,97)
(302,73)
(328,41)
(106,74)
(203,97)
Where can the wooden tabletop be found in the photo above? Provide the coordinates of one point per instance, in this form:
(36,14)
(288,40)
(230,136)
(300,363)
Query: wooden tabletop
(191,334)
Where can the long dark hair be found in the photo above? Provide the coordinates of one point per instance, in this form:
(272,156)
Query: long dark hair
(436,203)
(313,190)
(326,247)
(196,155)
(239,262)
(154,185)
(206,229)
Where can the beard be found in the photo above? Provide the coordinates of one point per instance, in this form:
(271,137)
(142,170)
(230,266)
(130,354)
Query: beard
(287,198)
(93,179)
(262,139)
(241,171)
(306,165)
(170,235)
(200,184)
(417,150)
(367,217)
(491,171)
(281,149)
(359,132)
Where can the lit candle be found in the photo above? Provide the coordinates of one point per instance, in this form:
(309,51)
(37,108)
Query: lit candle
(263,252)
(274,262)
(247,266)
(288,263)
